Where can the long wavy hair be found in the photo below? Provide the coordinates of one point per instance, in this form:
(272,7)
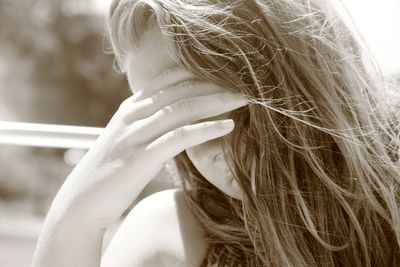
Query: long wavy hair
(316,153)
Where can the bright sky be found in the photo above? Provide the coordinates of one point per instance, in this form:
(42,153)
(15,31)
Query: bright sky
(377,21)
(101,5)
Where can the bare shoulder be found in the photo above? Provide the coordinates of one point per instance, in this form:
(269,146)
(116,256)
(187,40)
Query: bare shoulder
(159,231)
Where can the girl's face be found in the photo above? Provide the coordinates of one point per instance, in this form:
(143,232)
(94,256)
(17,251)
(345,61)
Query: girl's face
(154,56)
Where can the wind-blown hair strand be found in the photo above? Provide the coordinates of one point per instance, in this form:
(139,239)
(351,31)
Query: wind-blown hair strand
(316,152)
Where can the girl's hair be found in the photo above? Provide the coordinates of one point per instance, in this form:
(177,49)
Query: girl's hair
(316,152)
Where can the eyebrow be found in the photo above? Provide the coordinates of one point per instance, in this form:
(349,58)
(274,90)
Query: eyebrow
(158,74)
(165,71)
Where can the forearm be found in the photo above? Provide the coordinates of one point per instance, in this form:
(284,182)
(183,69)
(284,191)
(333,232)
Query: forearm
(72,234)
(64,244)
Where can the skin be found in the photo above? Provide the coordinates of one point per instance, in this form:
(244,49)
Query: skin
(156,56)
(168,113)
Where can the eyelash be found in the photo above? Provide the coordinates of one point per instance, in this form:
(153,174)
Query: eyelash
(217,156)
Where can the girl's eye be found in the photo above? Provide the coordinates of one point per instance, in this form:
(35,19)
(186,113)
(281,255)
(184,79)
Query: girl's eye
(218,156)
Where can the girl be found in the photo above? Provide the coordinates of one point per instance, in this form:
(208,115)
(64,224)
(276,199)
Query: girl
(309,176)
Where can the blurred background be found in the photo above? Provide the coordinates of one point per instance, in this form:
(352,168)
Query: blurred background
(54,70)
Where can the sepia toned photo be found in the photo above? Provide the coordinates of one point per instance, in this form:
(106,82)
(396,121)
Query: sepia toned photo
(199,133)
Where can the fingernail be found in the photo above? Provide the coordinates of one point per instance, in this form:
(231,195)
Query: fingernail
(227,124)
(234,97)
(241,99)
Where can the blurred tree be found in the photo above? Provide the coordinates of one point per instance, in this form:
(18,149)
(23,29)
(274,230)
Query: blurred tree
(53,69)
(66,76)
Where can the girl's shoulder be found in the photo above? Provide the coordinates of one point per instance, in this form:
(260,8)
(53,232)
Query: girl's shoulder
(159,231)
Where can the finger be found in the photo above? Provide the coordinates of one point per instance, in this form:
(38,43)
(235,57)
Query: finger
(174,142)
(168,96)
(167,78)
(185,111)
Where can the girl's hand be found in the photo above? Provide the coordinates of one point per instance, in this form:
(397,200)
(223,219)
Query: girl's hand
(147,130)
